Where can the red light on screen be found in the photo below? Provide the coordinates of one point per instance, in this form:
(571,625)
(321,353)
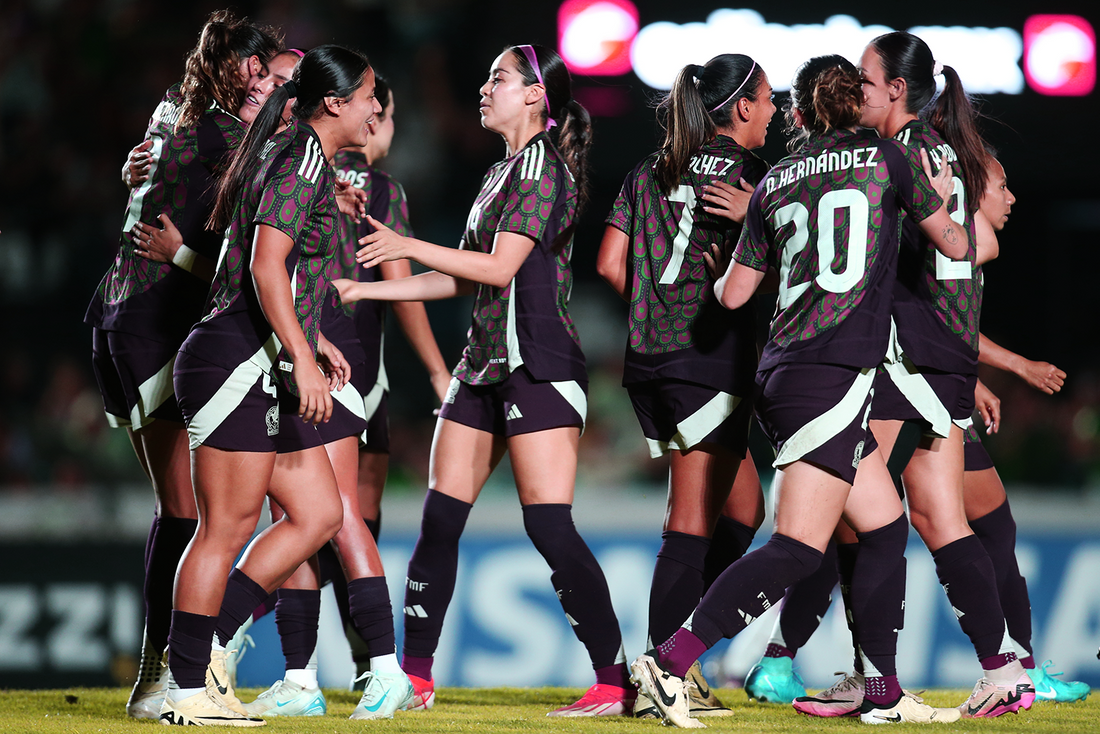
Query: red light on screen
(594,36)
(1060,55)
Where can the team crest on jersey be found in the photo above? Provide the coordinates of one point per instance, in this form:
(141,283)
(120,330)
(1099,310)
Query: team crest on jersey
(273,421)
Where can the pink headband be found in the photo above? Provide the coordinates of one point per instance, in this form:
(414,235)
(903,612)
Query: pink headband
(296,51)
(529,52)
(736,90)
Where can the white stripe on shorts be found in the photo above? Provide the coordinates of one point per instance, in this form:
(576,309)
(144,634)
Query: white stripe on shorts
(697,426)
(370,403)
(823,428)
(574,395)
(912,385)
(151,395)
(229,395)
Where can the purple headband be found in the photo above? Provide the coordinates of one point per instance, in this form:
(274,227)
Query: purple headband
(751,70)
(529,52)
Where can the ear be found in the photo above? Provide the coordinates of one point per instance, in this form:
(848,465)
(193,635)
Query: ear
(743,109)
(798,120)
(898,88)
(535,94)
(254,65)
(333,105)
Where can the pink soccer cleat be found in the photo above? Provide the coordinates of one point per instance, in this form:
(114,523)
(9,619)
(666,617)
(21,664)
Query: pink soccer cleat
(989,699)
(423,694)
(601,700)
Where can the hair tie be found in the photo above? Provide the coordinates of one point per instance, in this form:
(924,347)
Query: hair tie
(299,52)
(529,52)
(291,89)
(937,68)
(697,71)
(745,81)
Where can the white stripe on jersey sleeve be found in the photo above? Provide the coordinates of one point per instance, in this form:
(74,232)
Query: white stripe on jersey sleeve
(311,162)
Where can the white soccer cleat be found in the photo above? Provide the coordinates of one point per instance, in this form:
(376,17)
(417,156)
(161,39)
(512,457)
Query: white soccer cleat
(383,693)
(151,685)
(287,698)
(701,700)
(843,698)
(668,693)
(908,710)
(217,681)
(203,709)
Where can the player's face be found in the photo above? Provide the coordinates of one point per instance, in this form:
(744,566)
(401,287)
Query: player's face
(281,69)
(258,85)
(504,96)
(876,93)
(381,131)
(761,113)
(358,112)
(997,200)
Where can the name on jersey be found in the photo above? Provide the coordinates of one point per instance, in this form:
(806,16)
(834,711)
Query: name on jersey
(941,152)
(710,165)
(827,162)
(358,179)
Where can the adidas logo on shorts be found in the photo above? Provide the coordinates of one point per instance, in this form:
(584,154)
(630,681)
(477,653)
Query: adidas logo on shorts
(273,421)
(513,413)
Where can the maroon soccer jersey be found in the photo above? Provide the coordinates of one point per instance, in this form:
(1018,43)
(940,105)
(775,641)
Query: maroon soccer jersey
(677,327)
(158,300)
(827,219)
(293,192)
(527,321)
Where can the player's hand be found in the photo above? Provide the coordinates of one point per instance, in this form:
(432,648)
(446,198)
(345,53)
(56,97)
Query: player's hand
(314,399)
(350,290)
(989,407)
(382,245)
(943,182)
(160,245)
(332,362)
(441,382)
(351,200)
(717,261)
(1043,376)
(135,170)
(727,201)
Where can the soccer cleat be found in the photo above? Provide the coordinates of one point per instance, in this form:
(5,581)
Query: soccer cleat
(423,694)
(907,710)
(644,708)
(1047,687)
(842,699)
(383,693)
(601,700)
(701,700)
(203,709)
(773,680)
(151,685)
(287,698)
(989,699)
(668,693)
(240,642)
(217,681)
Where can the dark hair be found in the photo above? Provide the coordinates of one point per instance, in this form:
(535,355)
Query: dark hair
(212,73)
(828,92)
(382,93)
(701,100)
(575,136)
(952,114)
(326,71)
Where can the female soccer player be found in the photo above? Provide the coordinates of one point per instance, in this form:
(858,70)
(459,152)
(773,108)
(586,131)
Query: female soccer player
(690,363)
(247,375)
(521,383)
(142,310)
(826,219)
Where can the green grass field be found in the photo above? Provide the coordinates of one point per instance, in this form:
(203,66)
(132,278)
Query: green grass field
(81,710)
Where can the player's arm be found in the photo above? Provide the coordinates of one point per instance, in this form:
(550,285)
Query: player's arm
(1040,375)
(430,286)
(737,285)
(612,258)
(942,231)
(988,406)
(413,319)
(986,239)
(166,245)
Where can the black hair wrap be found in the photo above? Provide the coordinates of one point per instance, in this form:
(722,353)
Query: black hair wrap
(291,89)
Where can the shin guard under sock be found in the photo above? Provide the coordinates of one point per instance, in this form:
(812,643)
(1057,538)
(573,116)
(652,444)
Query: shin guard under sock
(878,598)
(730,541)
(189,648)
(677,582)
(805,605)
(372,613)
(966,574)
(168,539)
(296,615)
(242,596)
(997,533)
(846,555)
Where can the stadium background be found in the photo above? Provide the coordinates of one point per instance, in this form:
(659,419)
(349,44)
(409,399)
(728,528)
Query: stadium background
(78,80)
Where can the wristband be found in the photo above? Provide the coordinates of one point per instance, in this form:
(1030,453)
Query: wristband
(185,258)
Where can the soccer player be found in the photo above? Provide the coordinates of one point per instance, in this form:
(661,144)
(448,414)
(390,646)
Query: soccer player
(690,363)
(142,310)
(521,383)
(248,381)
(826,218)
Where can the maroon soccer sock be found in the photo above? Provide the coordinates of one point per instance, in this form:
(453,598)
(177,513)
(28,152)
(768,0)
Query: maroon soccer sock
(966,574)
(577,579)
(997,533)
(242,596)
(751,586)
(679,652)
(418,666)
(189,648)
(372,613)
(778,651)
(677,582)
(805,605)
(296,615)
(431,576)
(266,607)
(882,690)
(878,597)
(730,541)
(614,675)
(168,539)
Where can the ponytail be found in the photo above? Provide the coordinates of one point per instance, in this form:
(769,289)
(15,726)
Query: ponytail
(701,100)
(326,71)
(827,91)
(212,68)
(575,138)
(954,116)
